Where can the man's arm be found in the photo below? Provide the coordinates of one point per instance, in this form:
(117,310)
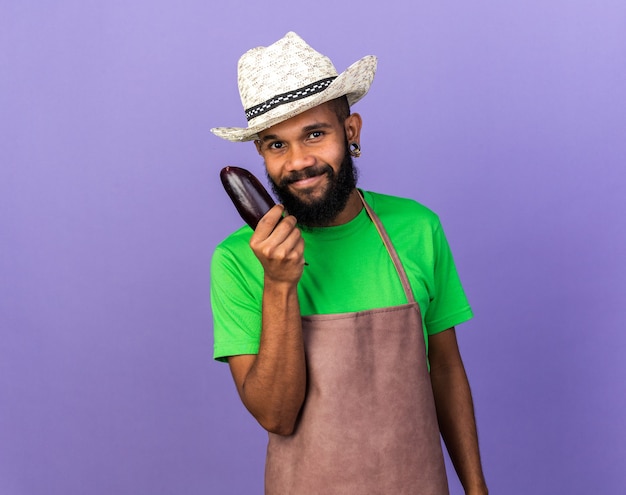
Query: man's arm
(272,384)
(455,410)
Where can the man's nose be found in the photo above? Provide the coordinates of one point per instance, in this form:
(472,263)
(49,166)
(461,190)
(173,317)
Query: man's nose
(300,157)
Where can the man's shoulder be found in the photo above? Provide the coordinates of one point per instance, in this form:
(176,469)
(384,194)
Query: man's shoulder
(236,244)
(400,209)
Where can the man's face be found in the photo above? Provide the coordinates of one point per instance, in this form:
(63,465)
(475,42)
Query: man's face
(308,165)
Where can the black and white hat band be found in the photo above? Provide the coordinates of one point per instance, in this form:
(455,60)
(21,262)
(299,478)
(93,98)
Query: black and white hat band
(288,97)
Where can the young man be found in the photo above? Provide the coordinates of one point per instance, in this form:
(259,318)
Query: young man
(349,360)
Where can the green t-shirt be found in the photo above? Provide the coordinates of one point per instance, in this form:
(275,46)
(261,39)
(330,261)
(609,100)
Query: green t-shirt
(349,269)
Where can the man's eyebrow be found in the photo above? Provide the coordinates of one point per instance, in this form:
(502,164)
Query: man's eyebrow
(305,130)
(317,125)
(269,137)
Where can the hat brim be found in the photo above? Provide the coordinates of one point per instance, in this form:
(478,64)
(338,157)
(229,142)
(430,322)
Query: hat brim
(354,83)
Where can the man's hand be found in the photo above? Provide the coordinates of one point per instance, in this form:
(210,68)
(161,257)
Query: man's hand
(279,246)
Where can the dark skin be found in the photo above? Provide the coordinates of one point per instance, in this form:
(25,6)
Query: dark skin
(455,410)
(272,383)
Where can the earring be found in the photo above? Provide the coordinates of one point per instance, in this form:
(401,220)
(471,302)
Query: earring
(355,150)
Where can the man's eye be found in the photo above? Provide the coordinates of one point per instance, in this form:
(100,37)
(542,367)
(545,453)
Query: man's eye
(315,134)
(275,145)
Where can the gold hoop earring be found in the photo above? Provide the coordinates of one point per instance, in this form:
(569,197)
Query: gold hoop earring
(355,150)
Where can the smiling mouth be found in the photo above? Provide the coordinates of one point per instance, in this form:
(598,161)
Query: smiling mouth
(307,177)
(306,184)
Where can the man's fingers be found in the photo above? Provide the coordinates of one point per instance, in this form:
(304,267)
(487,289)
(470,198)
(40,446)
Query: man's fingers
(269,221)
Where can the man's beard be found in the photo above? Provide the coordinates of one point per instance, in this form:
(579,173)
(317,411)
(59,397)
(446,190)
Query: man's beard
(322,211)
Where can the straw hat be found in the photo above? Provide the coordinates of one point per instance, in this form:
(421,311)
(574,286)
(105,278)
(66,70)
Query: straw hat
(289,77)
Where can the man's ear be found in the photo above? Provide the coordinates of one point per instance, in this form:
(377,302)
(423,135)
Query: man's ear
(352,126)
(257,143)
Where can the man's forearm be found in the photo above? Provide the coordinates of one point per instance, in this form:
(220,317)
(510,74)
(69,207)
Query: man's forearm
(455,412)
(274,387)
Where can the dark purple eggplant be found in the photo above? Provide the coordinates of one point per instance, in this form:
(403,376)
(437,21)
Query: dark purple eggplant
(247,193)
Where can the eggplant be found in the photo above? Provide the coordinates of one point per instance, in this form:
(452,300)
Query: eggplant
(246,192)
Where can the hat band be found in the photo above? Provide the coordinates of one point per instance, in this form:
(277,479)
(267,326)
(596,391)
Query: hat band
(298,94)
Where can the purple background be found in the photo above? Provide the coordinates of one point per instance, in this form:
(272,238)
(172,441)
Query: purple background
(507,118)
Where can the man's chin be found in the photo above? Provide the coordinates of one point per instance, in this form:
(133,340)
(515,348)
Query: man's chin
(310,196)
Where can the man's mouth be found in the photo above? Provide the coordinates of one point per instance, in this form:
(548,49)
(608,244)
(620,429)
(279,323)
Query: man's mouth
(307,183)
(308,177)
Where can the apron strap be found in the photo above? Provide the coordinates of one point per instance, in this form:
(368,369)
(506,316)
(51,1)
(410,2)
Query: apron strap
(390,249)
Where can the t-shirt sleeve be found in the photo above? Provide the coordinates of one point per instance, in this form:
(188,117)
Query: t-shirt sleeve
(235,306)
(448,306)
